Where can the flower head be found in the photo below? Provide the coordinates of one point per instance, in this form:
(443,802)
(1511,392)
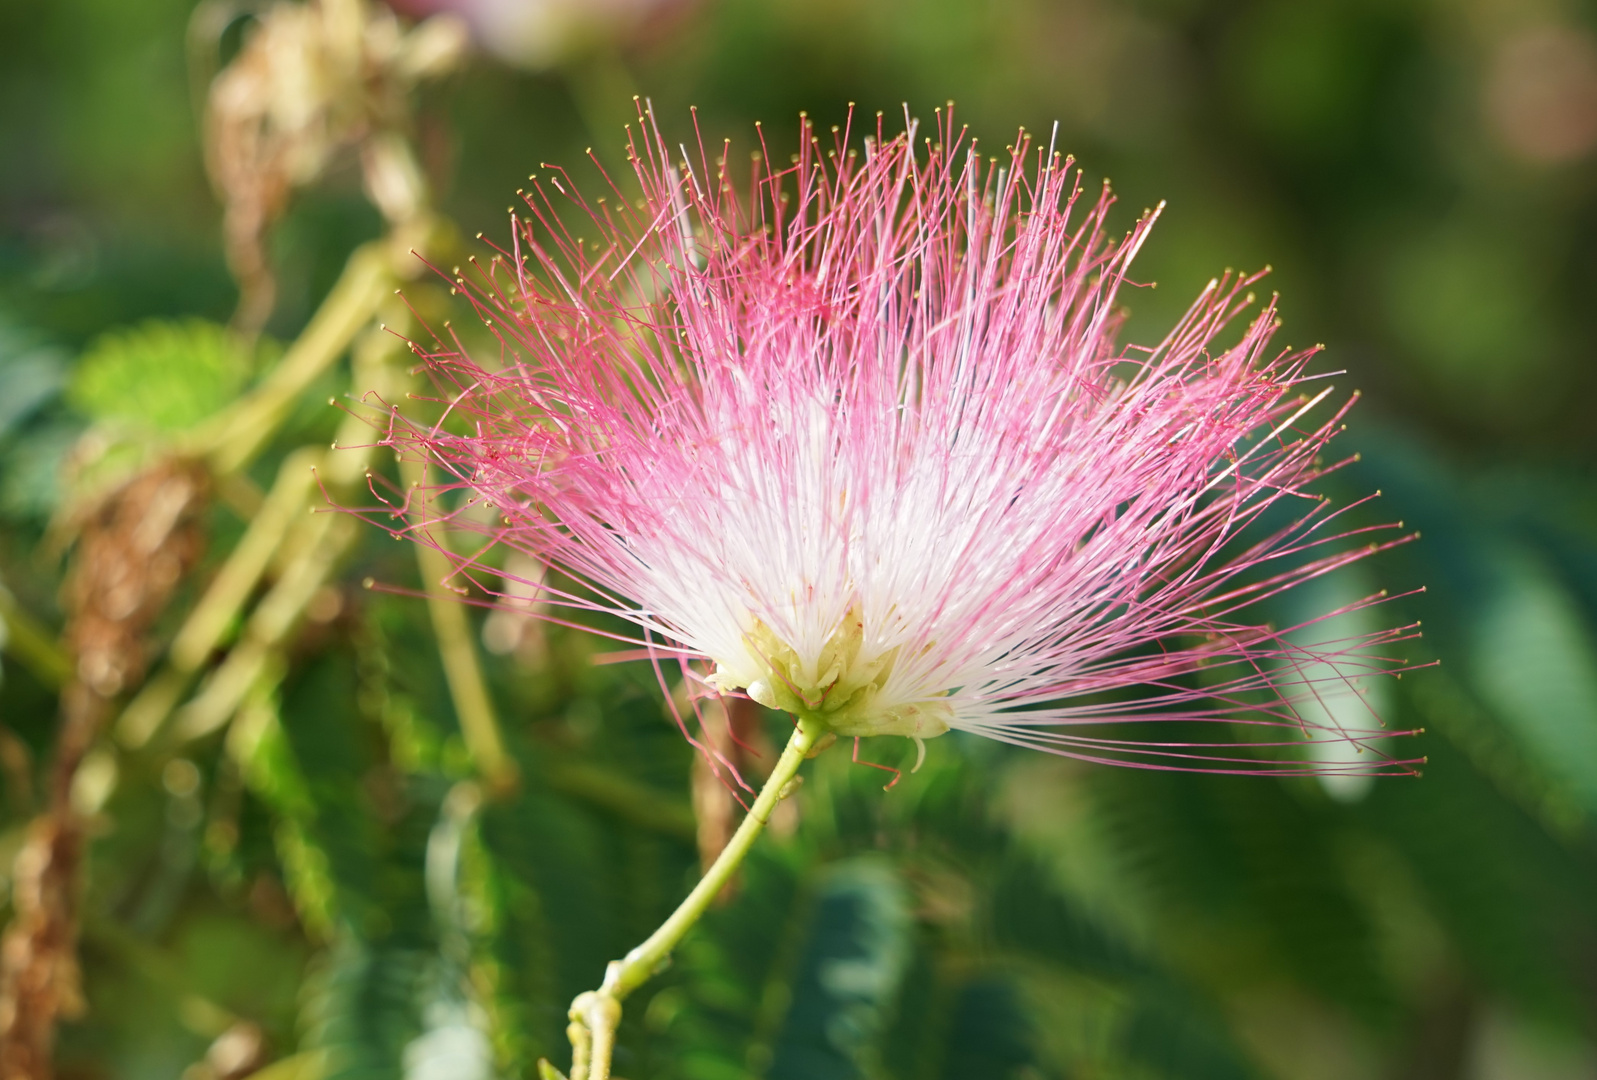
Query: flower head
(860,443)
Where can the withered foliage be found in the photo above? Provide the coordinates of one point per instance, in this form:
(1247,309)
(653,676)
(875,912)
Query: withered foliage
(134,546)
(311,80)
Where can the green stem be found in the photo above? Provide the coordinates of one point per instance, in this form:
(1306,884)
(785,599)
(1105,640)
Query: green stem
(218,609)
(474,708)
(327,537)
(598,1012)
(30,643)
(310,549)
(633,802)
(237,434)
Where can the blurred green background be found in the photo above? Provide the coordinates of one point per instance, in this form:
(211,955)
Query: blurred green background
(1421,174)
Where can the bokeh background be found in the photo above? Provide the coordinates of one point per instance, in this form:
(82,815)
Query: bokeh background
(319,885)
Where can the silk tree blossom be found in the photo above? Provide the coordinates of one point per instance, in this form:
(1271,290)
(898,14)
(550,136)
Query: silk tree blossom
(860,443)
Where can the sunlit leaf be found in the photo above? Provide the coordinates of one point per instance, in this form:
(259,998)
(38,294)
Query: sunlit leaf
(160,376)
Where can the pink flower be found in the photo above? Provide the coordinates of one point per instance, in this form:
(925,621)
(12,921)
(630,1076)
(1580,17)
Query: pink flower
(860,444)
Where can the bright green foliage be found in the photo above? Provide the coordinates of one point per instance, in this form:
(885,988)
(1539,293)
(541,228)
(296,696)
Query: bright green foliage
(160,376)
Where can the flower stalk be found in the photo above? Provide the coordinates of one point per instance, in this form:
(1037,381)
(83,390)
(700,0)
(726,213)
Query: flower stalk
(596,1014)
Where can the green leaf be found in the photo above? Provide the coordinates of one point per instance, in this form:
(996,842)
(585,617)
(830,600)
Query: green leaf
(562,887)
(1247,875)
(959,1015)
(30,472)
(160,376)
(453,1047)
(31,374)
(852,962)
(362,1007)
(1534,661)
(989,1032)
(1516,902)
(731,982)
(352,832)
(1130,1008)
